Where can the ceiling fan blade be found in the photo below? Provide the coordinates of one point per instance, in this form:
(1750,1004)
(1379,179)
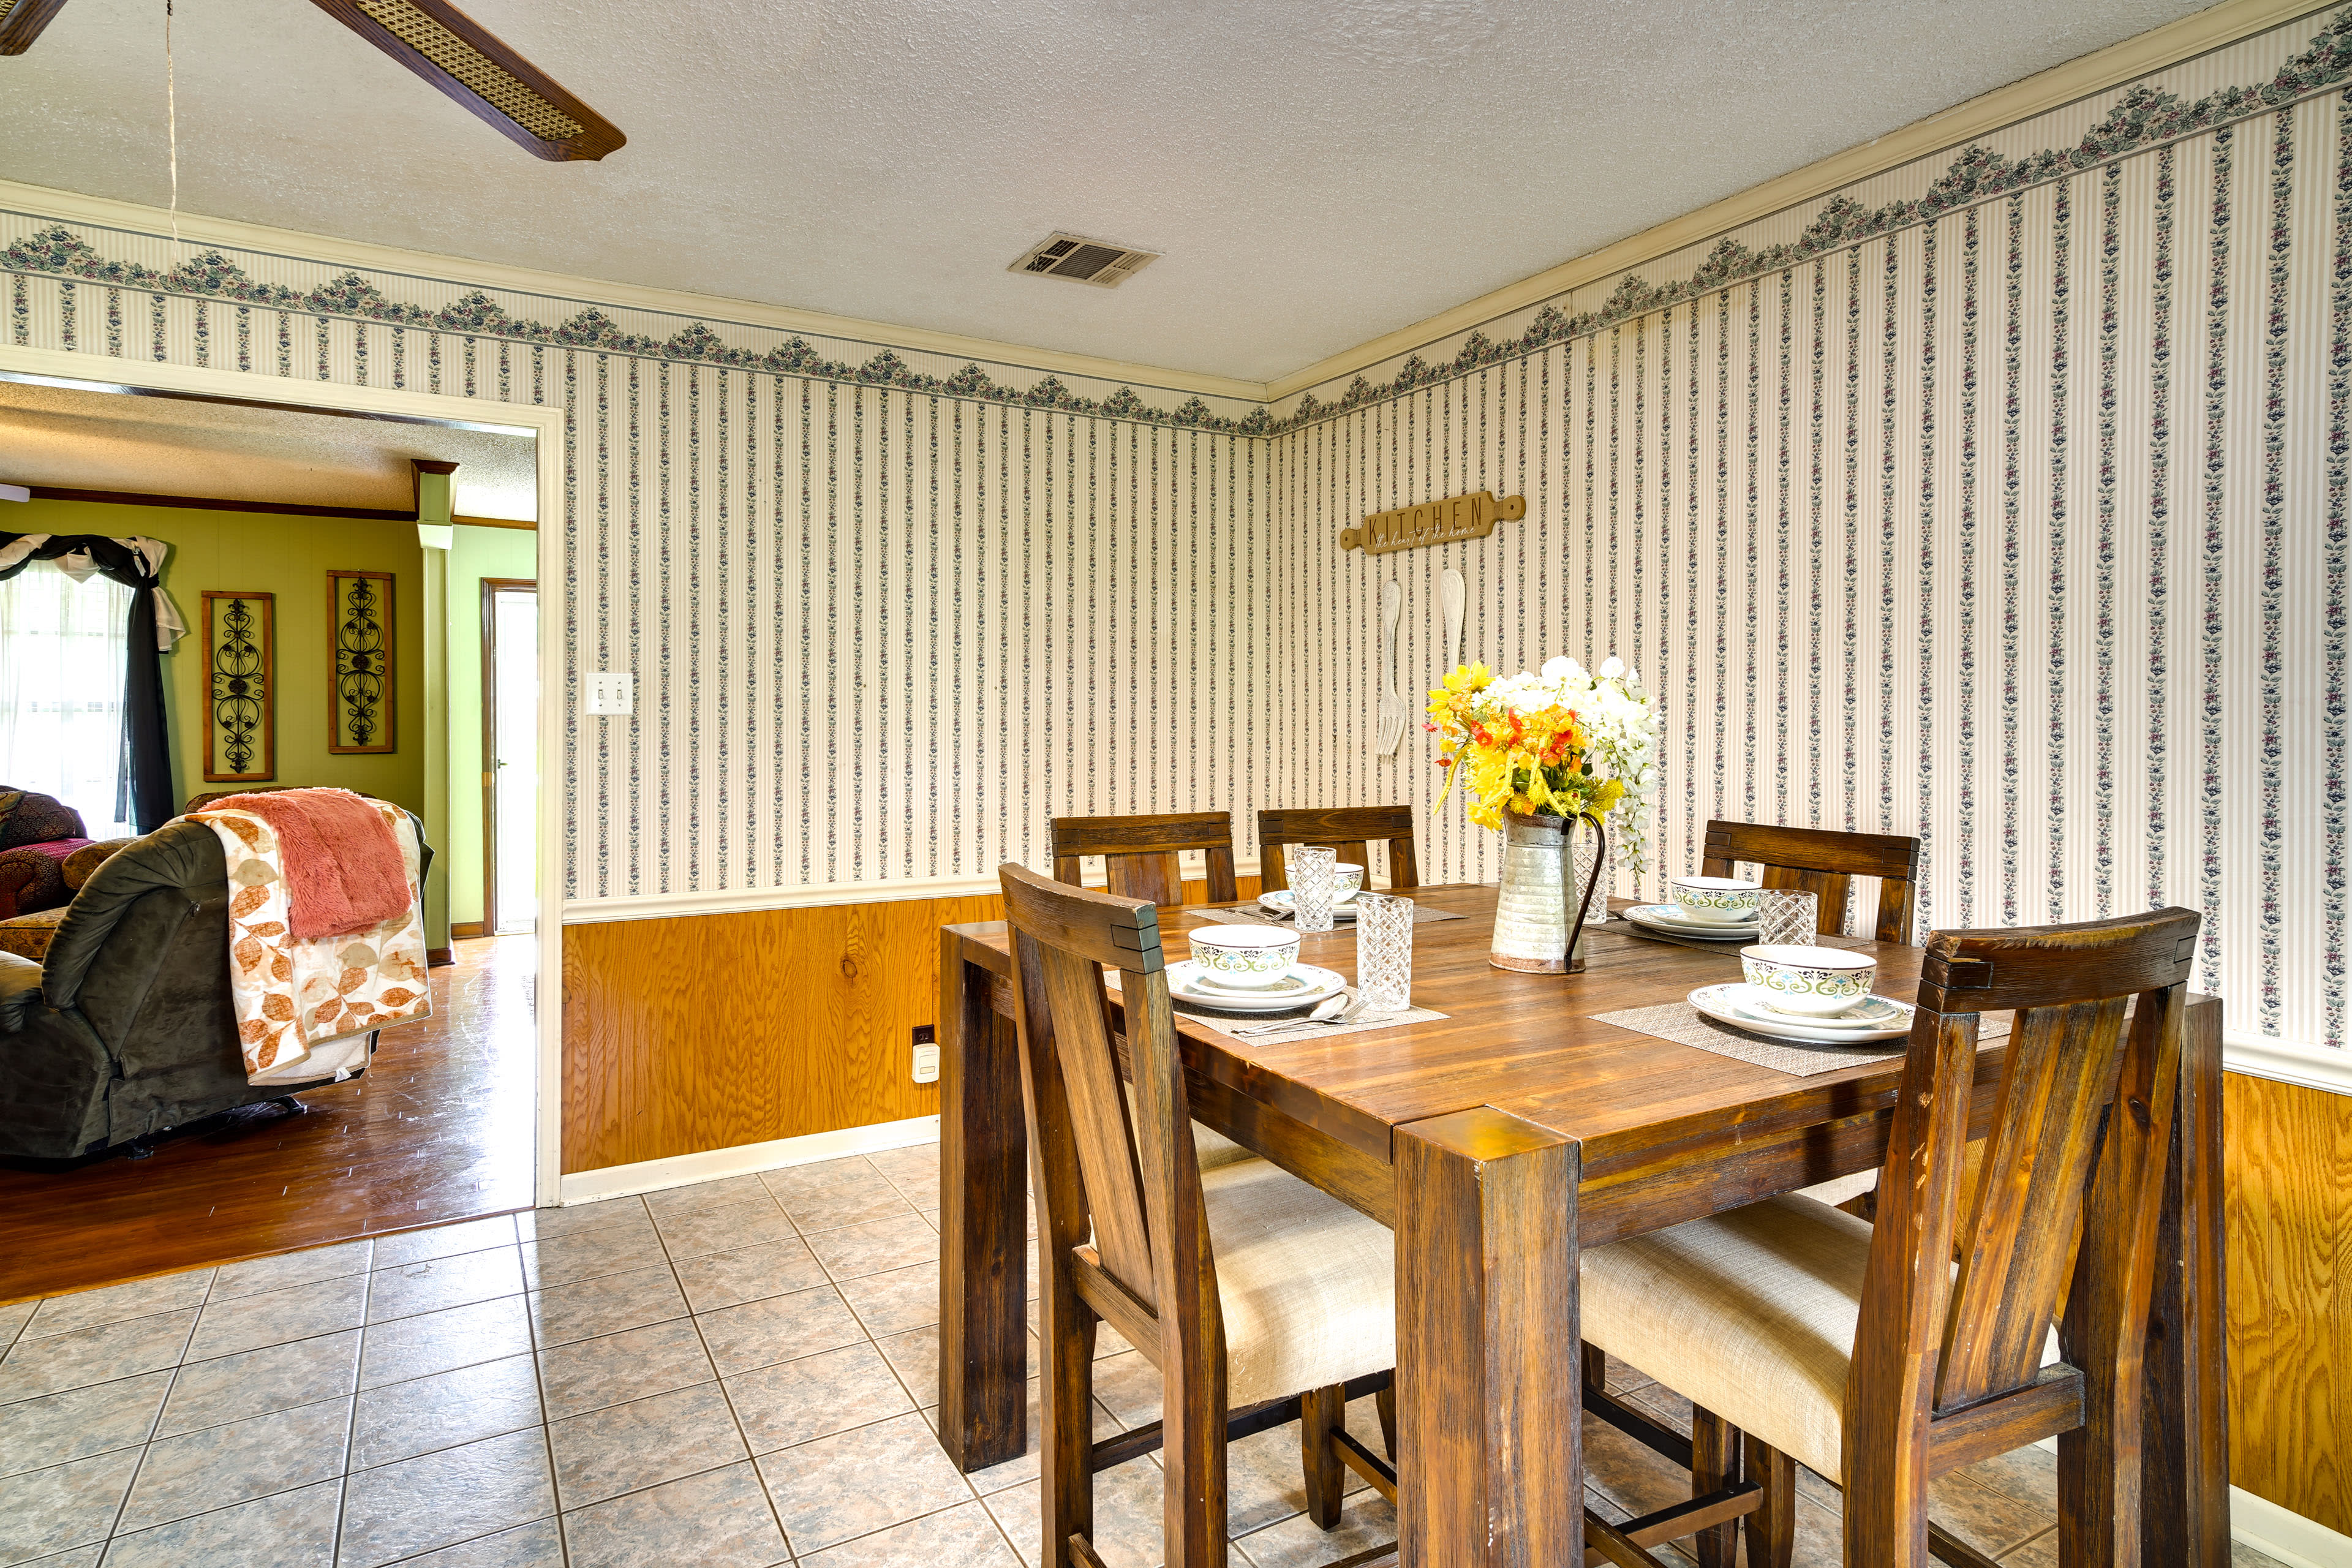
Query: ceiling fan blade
(465,61)
(21,22)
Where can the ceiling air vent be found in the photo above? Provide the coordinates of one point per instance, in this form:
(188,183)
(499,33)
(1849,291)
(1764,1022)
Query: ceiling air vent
(1082,261)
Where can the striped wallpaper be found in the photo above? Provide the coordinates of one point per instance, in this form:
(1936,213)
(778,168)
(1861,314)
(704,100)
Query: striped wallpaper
(887,614)
(2021,525)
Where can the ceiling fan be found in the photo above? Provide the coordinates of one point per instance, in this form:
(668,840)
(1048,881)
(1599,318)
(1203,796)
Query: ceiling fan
(448,48)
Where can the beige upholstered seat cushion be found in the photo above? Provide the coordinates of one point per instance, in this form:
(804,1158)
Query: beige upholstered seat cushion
(1838,1189)
(1749,1313)
(1214,1149)
(1211,1147)
(1308,1284)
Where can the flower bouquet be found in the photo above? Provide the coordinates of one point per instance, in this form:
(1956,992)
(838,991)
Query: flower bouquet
(1543,753)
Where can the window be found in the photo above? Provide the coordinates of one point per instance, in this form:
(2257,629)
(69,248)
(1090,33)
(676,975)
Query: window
(62,651)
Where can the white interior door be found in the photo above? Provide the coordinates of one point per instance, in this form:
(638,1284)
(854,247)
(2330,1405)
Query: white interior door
(515,761)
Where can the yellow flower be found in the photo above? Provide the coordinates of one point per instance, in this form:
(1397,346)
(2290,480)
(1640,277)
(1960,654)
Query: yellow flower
(1470,678)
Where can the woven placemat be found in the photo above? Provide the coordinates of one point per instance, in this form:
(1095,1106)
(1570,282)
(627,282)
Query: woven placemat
(1233,1023)
(1687,1026)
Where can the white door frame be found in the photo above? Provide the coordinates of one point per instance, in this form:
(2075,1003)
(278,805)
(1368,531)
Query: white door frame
(104,373)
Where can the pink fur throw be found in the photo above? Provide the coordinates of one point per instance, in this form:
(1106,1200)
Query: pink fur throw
(342,866)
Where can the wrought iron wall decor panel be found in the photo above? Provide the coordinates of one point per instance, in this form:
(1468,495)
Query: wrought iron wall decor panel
(240,645)
(360,698)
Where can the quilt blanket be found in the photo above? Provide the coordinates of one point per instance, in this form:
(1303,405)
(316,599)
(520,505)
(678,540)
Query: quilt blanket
(304,1009)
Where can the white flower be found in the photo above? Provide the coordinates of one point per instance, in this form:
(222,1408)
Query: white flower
(1562,669)
(1612,668)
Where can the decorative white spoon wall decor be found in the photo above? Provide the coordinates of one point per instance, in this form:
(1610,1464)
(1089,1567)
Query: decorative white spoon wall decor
(1393,716)
(1450,600)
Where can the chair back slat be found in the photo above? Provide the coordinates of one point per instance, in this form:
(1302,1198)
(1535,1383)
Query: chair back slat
(1122,1170)
(1101,1134)
(2017,1243)
(1139,853)
(1931,1341)
(1349,829)
(1824,862)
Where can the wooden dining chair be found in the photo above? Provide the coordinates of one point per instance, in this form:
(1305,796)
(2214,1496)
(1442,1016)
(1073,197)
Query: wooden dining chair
(1349,829)
(1139,853)
(1863,1351)
(1821,861)
(1260,1299)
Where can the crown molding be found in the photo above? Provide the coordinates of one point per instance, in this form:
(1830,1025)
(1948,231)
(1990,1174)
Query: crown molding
(196,231)
(2112,67)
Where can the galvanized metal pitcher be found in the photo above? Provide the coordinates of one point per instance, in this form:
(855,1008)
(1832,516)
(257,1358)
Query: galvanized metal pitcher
(1540,916)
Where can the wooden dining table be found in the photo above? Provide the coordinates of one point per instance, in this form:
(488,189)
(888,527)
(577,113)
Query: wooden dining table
(1496,1141)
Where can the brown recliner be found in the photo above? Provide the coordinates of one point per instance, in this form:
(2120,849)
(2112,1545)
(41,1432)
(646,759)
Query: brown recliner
(127,1029)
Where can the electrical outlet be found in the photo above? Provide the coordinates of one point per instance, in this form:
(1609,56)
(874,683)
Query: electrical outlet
(927,1064)
(612,691)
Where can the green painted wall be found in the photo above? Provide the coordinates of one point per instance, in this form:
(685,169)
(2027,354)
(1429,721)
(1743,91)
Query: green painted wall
(478,553)
(290,557)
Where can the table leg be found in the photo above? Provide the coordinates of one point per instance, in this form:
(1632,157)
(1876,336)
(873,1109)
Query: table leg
(983,1222)
(2185,1467)
(1490,1464)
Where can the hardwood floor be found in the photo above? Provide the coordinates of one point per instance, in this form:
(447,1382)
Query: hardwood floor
(438,1130)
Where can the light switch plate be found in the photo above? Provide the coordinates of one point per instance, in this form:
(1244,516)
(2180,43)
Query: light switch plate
(612,692)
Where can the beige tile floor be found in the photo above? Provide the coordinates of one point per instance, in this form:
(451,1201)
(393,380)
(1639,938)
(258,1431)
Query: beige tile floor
(731,1375)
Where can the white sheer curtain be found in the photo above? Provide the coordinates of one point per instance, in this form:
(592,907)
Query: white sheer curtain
(62,646)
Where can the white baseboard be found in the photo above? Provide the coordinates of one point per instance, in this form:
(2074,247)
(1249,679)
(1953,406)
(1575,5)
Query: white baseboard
(2298,1541)
(681,1170)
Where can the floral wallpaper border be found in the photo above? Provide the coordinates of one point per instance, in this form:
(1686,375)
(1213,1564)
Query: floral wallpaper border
(57,252)
(2144,117)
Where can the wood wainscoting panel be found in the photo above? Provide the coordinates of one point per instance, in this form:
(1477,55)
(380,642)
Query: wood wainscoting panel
(709,1031)
(702,1032)
(2287,1184)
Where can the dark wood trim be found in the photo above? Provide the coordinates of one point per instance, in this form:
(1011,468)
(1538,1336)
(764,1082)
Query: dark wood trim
(466,930)
(439,957)
(269,769)
(491,587)
(280,509)
(417,468)
(202,503)
(391,742)
(596,135)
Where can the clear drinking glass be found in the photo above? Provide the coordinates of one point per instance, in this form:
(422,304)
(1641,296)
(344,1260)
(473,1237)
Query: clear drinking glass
(1785,919)
(1384,951)
(1312,886)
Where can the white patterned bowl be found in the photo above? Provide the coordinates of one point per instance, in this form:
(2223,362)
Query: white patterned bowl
(1347,881)
(1809,982)
(1244,957)
(1716,901)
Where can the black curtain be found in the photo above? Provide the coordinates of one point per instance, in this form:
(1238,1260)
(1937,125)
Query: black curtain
(146,734)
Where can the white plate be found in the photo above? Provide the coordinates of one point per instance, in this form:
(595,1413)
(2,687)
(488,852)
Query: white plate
(1667,917)
(1304,986)
(1718,1002)
(1873,1012)
(1280,902)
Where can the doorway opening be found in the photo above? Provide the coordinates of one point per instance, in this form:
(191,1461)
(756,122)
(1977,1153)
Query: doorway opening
(285,502)
(509,755)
